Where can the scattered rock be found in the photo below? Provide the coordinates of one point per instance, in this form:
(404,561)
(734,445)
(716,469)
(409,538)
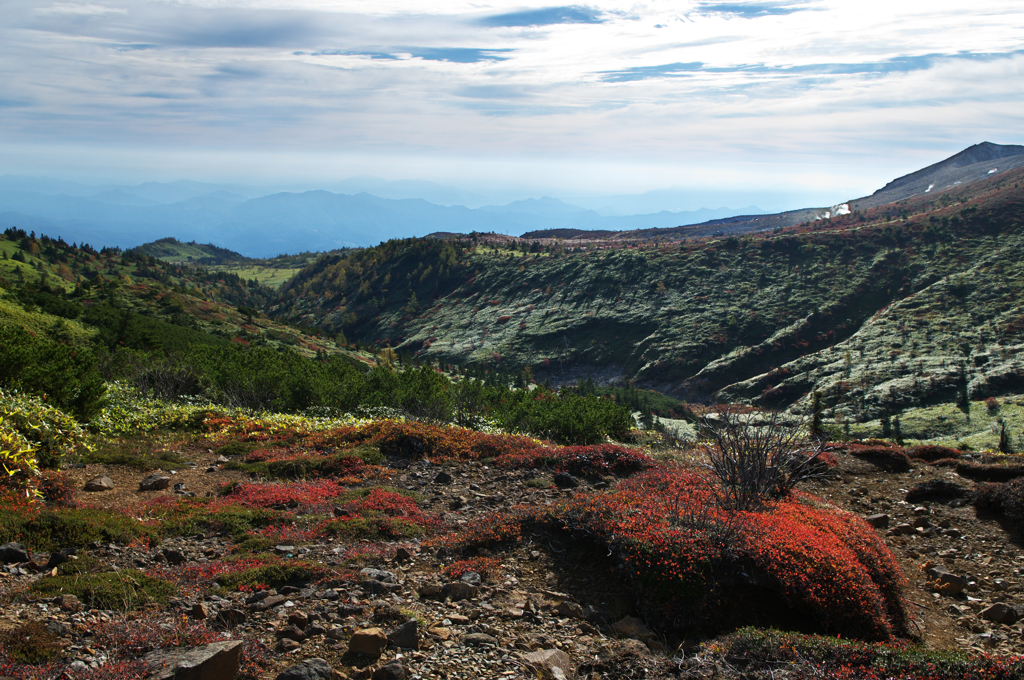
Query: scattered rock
(155,482)
(310,669)
(443,478)
(215,661)
(368,641)
(200,611)
(459,591)
(475,639)
(13,553)
(632,627)
(563,480)
(549,659)
(229,618)
(391,671)
(69,603)
(406,636)
(1000,613)
(880,521)
(100,483)
(174,557)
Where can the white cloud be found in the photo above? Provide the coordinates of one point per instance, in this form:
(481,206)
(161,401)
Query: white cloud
(659,84)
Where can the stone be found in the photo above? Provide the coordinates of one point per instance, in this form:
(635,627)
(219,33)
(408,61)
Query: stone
(443,478)
(215,661)
(174,557)
(287,645)
(441,633)
(563,480)
(631,627)
(1000,613)
(472,578)
(459,591)
(268,603)
(310,669)
(879,521)
(69,603)
(99,483)
(549,659)
(200,611)
(368,641)
(949,584)
(284,549)
(13,553)
(406,636)
(229,618)
(594,615)
(391,671)
(291,632)
(403,555)
(379,575)
(569,610)
(298,619)
(155,482)
(477,639)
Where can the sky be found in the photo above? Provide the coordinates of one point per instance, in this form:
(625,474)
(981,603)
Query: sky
(828,97)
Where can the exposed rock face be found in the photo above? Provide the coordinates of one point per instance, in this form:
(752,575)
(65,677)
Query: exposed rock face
(217,661)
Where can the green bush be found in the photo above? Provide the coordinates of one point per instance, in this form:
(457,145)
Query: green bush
(50,530)
(271,576)
(66,375)
(30,643)
(122,590)
(54,435)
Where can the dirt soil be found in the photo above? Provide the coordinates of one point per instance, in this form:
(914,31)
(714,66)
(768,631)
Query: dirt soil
(548,596)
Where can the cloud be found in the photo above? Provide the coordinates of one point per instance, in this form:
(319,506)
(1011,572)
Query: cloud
(752,10)
(455,55)
(81,9)
(666,84)
(547,16)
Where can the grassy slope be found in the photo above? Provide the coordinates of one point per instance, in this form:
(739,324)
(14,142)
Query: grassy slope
(196,298)
(897,297)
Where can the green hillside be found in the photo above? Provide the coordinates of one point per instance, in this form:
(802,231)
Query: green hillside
(880,310)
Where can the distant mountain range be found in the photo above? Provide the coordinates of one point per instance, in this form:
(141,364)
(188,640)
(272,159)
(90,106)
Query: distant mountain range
(270,223)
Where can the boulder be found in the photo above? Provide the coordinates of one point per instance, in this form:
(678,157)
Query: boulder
(476,639)
(368,641)
(215,661)
(563,480)
(631,627)
(406,635)
(1000,613)
(880,521)
(174,557)
(391,671)
(155,482)
(443,478)
(310,669)
(549,659)
(100,483)
(459,591)
(13,553)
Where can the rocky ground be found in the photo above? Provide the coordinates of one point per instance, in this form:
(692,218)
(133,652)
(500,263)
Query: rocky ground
(551,606)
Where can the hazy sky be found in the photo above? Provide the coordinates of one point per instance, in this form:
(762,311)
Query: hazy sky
(608,96)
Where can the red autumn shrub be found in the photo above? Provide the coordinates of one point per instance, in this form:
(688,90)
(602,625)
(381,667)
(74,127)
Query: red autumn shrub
(889,458)
(485,566)
(932,453)
(797,560)
(596,459)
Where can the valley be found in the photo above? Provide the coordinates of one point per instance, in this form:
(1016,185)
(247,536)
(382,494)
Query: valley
(782,446)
